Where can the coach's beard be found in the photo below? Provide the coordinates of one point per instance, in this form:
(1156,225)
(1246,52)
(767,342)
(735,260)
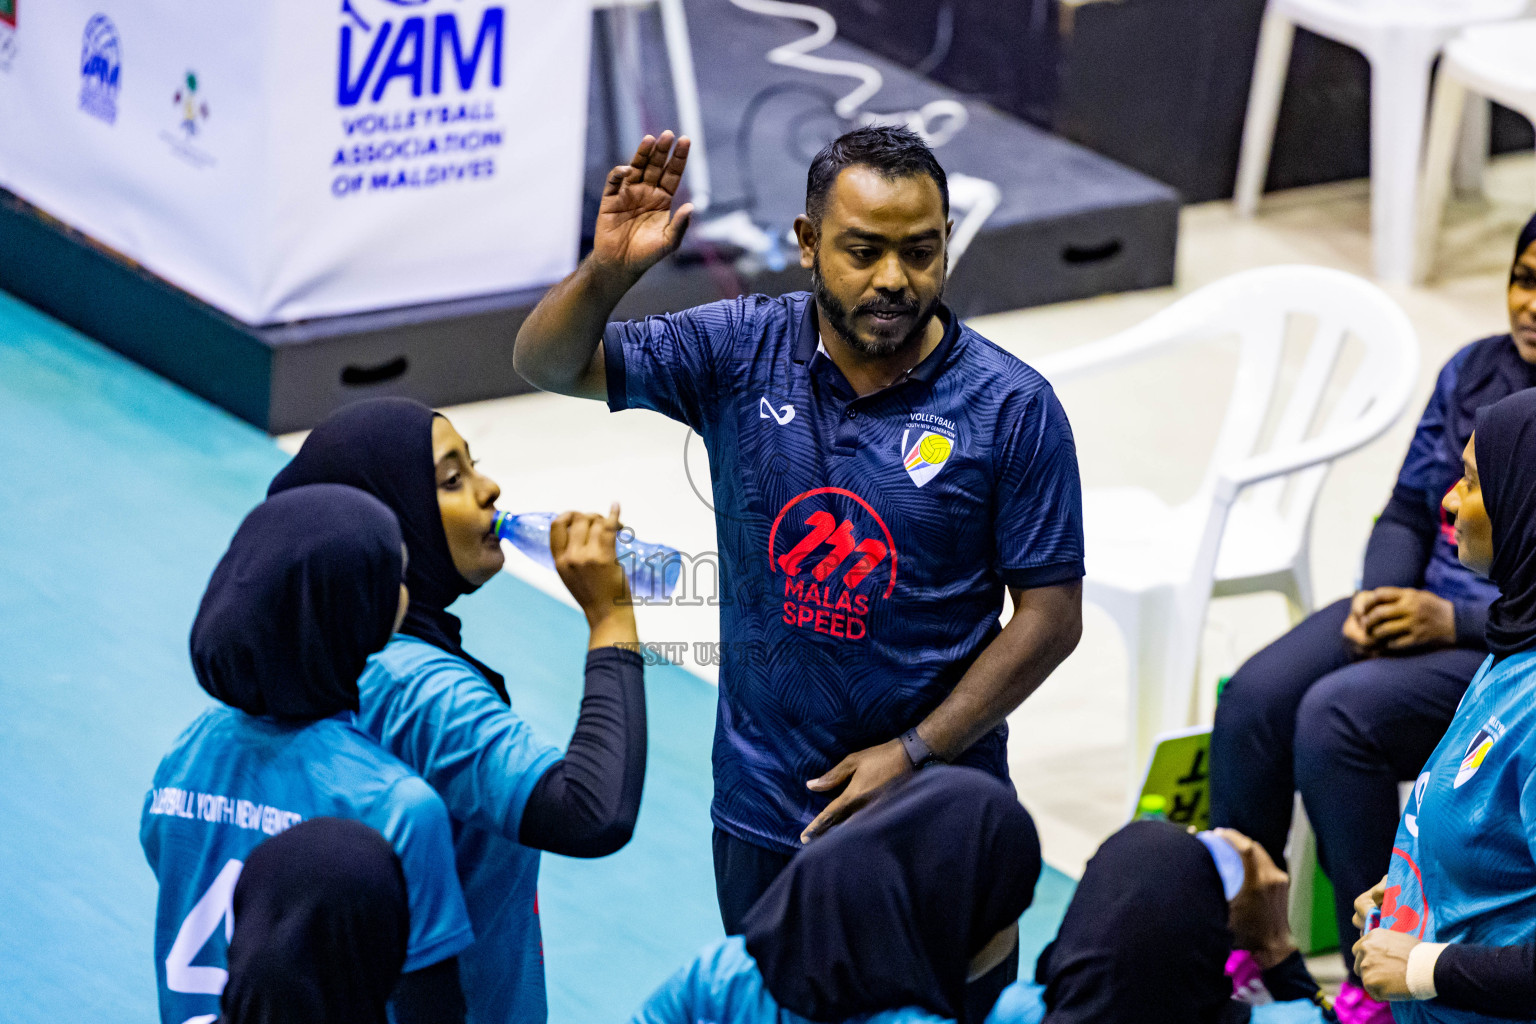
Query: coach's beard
(839,317)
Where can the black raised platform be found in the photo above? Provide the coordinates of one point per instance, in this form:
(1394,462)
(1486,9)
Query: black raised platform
(1071,224)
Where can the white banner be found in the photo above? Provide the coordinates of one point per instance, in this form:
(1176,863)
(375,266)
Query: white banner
(291,159)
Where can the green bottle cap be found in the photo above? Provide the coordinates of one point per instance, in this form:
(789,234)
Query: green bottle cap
(1152,803)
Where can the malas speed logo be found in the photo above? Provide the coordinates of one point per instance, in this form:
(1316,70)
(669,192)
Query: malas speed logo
(836,555)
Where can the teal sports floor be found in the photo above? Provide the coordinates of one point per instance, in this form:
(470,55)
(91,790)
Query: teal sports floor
(118,492)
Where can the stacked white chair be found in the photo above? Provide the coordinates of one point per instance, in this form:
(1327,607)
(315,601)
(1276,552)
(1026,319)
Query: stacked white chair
(1155,567)
(1490,61)
(1401,39)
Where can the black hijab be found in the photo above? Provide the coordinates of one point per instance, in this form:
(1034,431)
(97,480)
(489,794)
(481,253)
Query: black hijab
(384,446)
(1506,468)
(321,928)
(306,592)
(1493,369)
(887,909)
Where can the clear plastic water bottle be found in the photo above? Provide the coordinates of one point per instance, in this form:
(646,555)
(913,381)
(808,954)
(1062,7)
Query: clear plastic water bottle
(653,569)
(1229,863)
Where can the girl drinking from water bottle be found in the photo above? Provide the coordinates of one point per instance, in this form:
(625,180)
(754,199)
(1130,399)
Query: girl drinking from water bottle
(447,714)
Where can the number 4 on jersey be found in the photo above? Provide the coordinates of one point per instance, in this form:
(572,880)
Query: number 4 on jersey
(216,905)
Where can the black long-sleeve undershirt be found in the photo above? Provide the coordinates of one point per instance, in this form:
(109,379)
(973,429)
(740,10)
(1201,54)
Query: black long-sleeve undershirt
(1499,981)
(1399,550)
(586,803)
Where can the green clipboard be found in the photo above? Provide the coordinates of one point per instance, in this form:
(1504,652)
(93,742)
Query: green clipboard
(1179,772)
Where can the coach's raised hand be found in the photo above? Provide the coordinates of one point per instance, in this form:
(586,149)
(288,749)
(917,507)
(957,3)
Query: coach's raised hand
(559,346)
(636,226)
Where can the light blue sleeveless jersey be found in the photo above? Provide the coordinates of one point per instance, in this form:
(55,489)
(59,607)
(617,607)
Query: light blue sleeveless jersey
(231,781)
(1464,862)
(432,710)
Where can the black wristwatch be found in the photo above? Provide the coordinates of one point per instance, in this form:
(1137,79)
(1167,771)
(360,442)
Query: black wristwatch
(918,752)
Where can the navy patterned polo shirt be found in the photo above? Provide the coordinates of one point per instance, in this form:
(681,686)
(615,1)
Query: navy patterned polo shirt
(865,543)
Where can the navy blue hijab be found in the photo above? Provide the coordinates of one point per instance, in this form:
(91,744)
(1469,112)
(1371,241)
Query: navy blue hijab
(1506,469)
(321,928)
(384,446)
(887,910)
(306,592)
(1493,369)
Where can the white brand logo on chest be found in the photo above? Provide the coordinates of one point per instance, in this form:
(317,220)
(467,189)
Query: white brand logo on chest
(780,416)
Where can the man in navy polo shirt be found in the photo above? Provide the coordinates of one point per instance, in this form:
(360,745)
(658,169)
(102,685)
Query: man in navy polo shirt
(881,474)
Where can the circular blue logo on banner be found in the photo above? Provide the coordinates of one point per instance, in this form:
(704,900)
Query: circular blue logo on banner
(101,65)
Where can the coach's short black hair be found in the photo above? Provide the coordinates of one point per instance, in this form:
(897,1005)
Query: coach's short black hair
(892,150)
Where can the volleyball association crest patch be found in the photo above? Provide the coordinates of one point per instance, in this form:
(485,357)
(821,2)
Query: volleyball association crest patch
(924,453)
(1477,751)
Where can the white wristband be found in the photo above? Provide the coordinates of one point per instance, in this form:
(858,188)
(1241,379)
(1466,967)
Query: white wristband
(1421,969)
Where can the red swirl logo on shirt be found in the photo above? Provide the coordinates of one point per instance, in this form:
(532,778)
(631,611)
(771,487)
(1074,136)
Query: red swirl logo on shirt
(1398,910)
(833,553)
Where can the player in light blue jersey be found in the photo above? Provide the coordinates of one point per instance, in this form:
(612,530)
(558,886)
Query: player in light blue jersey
(449,716)
(1456,942)
(310,587)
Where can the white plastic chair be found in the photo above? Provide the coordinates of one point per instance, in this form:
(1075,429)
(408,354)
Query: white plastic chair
(1492,61)
(1155,567)
(685,89)
(1401,39)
